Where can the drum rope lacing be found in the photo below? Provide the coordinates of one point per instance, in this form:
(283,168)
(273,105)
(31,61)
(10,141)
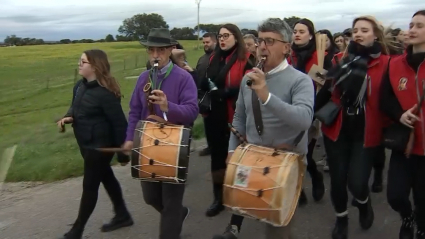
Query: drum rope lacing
(164,143)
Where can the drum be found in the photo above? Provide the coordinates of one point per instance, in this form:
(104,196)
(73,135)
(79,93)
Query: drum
(264,183)
(161,152)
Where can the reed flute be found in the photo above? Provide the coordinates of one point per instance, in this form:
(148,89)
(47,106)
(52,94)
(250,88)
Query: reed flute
(259,66)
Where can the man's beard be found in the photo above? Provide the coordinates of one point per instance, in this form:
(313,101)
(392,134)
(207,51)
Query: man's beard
(208,51)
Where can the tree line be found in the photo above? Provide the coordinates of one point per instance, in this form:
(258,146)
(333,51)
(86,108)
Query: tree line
(137,28)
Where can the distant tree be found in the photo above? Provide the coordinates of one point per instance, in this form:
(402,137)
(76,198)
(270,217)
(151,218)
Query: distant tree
(66,41)
(249,31)
(12,40)
(109,38)
(208,27)
(138,26)
(123,38)
(184,33)
(291,20)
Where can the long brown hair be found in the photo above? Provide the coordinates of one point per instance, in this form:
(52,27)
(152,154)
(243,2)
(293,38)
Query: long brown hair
(378,30)
(240,43)
(99,61)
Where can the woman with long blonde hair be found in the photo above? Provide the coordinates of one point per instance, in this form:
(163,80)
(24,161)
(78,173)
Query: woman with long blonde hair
(353,134)
(98,122)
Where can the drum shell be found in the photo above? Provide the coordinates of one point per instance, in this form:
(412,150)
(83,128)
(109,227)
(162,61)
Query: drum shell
(281,186)
(171,155)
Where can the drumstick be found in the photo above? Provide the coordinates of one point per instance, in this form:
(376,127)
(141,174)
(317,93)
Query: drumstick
(112,150)
(5,163)
(239,135)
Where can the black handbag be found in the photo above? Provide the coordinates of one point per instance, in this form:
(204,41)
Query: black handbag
(204,102)
(328,113)
(396,136)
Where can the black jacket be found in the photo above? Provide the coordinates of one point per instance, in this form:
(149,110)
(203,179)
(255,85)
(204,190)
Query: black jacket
(99,120)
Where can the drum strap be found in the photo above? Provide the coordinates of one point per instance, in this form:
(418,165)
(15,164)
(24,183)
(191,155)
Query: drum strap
(258,119)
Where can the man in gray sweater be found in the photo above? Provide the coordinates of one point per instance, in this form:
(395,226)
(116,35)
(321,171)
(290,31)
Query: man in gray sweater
(286,101)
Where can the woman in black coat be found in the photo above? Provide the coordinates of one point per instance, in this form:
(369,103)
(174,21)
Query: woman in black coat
(98,121)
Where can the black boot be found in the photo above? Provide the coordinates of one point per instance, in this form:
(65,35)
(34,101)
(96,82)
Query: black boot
(121,219)
(318,189)
(302,201)
(377,182)
(205,152)
(75,233)
(366,215)
(217,206)
(340,230)
(407,229)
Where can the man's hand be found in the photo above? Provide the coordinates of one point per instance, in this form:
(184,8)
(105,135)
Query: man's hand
(188,68)
(259,84)
(408,118)
(159,98)
(127,146)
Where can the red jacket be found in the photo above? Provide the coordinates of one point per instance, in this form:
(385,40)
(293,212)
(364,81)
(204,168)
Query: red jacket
(292,60)
(233,80)
(374,120)
(338,57)
(403,81)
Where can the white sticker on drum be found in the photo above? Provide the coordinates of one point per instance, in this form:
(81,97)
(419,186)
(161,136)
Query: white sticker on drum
(242,175)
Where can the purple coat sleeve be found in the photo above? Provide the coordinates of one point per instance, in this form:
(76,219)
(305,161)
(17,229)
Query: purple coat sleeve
(187,110)
(136,109)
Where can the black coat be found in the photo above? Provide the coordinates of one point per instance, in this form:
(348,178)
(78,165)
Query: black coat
(98,118)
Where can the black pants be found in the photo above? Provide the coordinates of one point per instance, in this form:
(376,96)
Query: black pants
(379,160)
(350,164)
(217,133)
(97,170)
(405,175)
(311,164)
(205,118)
(167,199)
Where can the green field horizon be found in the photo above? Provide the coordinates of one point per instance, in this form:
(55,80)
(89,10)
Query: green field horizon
(35,90)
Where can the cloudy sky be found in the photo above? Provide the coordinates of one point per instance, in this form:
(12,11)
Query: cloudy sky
(76,19)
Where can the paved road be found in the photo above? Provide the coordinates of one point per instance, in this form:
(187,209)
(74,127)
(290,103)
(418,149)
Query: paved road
(46,210)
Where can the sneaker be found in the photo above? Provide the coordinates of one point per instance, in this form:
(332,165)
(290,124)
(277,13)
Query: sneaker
(407,229)
(230,233)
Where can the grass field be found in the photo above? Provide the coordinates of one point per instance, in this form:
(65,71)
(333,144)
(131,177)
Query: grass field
(36,88)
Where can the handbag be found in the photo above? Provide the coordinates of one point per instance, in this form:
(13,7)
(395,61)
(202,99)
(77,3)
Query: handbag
(328,113)
(204,102)
(396,136)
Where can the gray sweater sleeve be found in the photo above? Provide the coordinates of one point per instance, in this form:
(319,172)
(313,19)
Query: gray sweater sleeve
(299,114)
(239,120)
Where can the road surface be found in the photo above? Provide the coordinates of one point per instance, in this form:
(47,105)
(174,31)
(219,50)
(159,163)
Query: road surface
(45,211)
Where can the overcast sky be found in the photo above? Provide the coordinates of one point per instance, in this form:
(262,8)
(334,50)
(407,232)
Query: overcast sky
(76,19)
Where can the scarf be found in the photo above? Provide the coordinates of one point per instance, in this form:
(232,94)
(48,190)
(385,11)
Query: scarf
(303,54)
(351,75)
(414,60)
(218,68)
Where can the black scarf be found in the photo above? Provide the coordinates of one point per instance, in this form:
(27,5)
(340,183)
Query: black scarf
(414,60)
(351,75)
(218,68)
(303,54)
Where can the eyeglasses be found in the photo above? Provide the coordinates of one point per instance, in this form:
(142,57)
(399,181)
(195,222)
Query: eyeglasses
(81,62)
(160,50)
(225,36)
(269,41)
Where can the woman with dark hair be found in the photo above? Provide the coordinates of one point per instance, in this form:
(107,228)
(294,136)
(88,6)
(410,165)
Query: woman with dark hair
(228,64)
(401,87)
(99,122)
(302,58)
(396,38)
(340,41)
(352,136)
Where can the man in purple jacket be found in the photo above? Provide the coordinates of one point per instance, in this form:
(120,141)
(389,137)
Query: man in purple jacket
(175,99)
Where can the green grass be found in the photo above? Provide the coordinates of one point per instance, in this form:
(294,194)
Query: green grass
(35,90)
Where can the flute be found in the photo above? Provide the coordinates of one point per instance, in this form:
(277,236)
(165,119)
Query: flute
(259,66)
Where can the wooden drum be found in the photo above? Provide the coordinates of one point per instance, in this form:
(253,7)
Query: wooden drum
(264,183)
(161,152)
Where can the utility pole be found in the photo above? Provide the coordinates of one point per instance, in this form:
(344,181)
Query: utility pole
(198,2)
